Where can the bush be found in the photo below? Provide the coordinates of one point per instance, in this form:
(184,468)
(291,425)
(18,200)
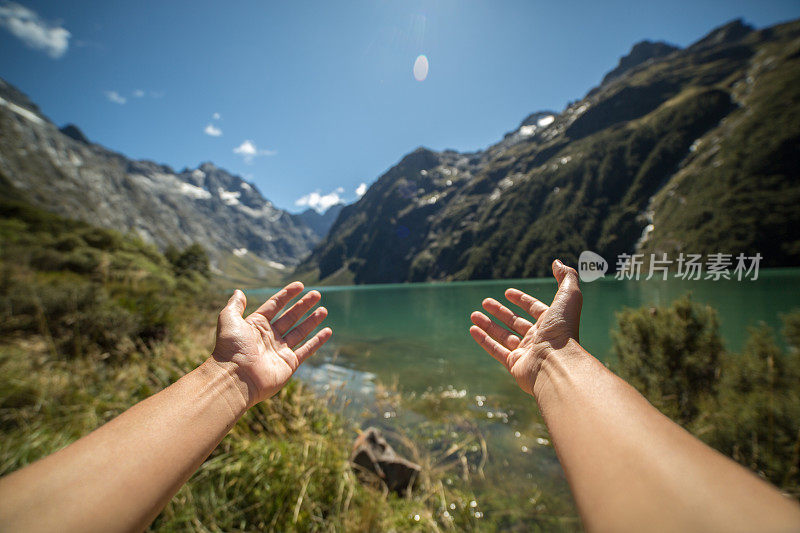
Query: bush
(745,405)
(671,355)
(193,259)
(87,290)
(76,317)
(755,418)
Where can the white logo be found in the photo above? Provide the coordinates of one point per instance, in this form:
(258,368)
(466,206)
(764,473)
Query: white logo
(591,266)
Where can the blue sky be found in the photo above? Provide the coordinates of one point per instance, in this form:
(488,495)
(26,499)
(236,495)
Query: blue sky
(320,97)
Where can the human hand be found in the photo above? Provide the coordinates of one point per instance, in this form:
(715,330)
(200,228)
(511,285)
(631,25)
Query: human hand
(524,353)
(265,353)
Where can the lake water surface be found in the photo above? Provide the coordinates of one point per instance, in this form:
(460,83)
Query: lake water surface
(415,338)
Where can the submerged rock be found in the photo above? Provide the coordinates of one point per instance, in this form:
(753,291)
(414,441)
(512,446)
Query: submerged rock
(373,457)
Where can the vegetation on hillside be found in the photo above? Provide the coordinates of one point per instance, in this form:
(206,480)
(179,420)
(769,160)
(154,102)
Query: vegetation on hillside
(746,405)
(738,191)
(702,144)
(94,321)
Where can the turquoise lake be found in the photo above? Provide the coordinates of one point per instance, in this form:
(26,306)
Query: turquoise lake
(414,339)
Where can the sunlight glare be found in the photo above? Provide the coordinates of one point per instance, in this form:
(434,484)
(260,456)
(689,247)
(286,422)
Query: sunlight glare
(421,68)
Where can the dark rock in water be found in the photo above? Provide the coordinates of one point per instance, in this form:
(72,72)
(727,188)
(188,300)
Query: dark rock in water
(373,455)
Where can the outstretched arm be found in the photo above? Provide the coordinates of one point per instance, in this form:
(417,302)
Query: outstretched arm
(630,467)
(120,476)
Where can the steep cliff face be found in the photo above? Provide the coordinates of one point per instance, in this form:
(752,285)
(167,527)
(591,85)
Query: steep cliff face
(685,150)
(63,172)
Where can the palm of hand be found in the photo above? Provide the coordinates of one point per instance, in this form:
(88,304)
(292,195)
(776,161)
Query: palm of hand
(549,332)
(524,351)
(266,354)
(267,361)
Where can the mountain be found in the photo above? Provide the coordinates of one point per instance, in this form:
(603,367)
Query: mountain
(63,172)
(320,223)
(692,150)
(640,53)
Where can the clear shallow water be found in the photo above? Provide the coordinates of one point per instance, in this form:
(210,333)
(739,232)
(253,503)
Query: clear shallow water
(415,336)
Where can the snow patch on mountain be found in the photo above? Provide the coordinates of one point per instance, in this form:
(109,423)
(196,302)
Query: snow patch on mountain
(229,197)
(21,111)
(194,191)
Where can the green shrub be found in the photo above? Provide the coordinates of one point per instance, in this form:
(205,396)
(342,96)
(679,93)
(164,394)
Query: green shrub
(745,405)
(192,259)
(672,355)
(88,290)
(755,418)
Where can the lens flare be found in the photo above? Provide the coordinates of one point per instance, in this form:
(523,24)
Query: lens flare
(421,68)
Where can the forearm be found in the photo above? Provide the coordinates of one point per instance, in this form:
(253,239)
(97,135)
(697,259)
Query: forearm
(120,476)
(631,468)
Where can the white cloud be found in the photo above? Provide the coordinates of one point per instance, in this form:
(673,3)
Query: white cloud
(318,201)
(114,96)
(212,130)
(138,93)
(361,189)
(249,151)
(247,148)
(38,34)
(216,116)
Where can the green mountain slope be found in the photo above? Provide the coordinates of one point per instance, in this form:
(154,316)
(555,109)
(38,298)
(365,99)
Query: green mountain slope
(692,150)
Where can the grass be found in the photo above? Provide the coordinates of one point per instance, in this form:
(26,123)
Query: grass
(283,466)
(94,321)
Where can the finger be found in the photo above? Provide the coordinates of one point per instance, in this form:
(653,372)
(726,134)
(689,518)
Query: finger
(296,336)
(506,316)
(491,346)
(279,300)
(531,305)
(301,307)
(234,308)
(313,344)
(503,336)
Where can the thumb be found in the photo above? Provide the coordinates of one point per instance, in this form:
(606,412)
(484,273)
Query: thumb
(235,306)
(568,299)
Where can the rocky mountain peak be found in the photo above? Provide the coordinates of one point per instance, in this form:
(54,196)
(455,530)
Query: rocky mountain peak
(421,159)
(62,171)
(641,52)
(72,131)
(538,119)
(638,164)
(734,30)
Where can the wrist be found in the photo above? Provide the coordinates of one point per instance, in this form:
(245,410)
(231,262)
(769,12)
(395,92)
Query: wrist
(228,384)
(561,369)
